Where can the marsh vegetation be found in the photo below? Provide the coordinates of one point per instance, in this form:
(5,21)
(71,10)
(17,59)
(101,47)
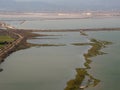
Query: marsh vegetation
(82,73)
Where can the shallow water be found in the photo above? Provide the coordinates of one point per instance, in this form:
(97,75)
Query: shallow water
(37,23)
(43,68)
(72,23)
(106,67)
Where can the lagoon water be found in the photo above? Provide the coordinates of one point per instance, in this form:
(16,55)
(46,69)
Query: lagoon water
(38,23)
(72,23)
(106,67)
(50,68)
(43,68)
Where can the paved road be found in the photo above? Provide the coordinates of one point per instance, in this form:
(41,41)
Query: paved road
(10,46)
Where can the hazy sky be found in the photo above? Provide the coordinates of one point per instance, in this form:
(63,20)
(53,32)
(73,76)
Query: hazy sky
(79,1)
(104,2)
(68,0)
(75,5)
(37,0)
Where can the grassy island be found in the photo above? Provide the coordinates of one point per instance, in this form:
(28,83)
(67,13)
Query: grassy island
(83,79)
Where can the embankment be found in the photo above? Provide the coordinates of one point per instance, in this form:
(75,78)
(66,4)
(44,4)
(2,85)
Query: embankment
(19,43)
(9,48)
(73,30)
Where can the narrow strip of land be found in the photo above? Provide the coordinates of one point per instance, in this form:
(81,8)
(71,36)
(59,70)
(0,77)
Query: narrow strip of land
(20,41)
(22,35)
(73,30)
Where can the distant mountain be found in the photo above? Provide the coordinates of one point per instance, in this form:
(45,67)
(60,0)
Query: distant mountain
(61,5)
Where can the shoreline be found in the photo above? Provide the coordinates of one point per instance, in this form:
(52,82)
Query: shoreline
(83,78)
(82,73)
(18,44)
(60,15)
(24,34)
(71,30)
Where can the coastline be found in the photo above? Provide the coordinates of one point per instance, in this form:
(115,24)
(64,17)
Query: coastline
(21,43)
(60,15)
(22,35)
(83,79)
(18,44)
(71,30)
